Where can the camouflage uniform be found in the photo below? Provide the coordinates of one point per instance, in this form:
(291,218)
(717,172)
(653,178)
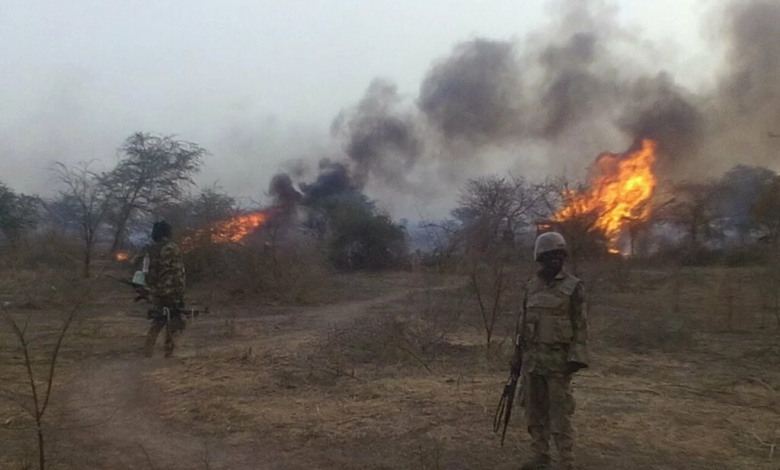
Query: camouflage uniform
(555,333)
(166,282)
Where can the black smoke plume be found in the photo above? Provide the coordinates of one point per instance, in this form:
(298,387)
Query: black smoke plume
(571,91)
(583,78)
(380,140)
(474,93)
(283,191)
(333,180)
(658,109)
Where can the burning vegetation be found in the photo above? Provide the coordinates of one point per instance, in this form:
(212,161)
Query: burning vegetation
(232,230)
(619,193)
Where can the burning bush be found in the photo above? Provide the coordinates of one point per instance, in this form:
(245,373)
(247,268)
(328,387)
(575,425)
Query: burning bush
(618,196)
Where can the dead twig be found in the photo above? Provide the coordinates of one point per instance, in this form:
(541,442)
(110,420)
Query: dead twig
(766,444)
(148,458)
(766,385)
(414,356)
(41,393)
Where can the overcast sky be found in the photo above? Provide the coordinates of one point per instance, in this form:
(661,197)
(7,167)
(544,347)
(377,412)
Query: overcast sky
(255,82)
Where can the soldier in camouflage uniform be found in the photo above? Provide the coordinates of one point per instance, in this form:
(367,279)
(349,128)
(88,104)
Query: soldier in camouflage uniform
(553,332)
(165,282)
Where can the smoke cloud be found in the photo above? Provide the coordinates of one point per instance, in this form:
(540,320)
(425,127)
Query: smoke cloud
(283,192)
(473,94)
(581,79)
(381,140)
(658,109)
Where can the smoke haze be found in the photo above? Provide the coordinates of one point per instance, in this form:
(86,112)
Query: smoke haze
(541,103)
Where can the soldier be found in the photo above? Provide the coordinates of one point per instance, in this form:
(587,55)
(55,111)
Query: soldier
(554,334)
(165,282)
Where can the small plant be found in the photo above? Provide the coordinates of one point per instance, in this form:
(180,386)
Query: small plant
(40,384)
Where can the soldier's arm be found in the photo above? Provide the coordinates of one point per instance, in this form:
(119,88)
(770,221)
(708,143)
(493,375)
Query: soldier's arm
(578,352)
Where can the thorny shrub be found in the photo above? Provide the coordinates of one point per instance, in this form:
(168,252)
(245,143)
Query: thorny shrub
(413,332)
(282,273)
(49,250)
(39,273)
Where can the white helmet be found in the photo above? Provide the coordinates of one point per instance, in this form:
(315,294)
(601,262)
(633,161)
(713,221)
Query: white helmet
(548,241)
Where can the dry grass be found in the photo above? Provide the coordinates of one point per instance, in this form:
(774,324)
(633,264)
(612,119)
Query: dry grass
(667,390)
(679,380)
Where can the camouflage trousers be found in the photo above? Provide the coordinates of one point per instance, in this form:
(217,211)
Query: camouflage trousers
(173,329)
(549,406)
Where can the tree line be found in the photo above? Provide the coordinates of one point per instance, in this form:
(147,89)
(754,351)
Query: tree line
(153,178)
(150,173)
(494,213)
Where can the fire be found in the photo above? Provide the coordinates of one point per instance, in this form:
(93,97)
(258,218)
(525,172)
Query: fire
(618,193)
(235,229)
(122,256)
(232,230)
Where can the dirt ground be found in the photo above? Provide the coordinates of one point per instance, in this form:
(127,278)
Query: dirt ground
(392,372)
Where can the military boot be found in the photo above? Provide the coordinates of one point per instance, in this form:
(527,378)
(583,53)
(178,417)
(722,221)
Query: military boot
(540,462)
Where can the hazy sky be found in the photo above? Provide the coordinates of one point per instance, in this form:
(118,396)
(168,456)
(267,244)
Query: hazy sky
(255,82)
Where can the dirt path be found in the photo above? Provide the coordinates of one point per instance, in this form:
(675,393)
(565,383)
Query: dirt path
(112,415)
(113,425)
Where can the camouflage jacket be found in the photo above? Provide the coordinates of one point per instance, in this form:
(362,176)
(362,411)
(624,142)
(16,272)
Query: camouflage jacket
(554,324)
(166,277)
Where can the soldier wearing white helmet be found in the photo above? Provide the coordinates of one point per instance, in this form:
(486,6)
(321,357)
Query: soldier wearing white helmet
(551,347)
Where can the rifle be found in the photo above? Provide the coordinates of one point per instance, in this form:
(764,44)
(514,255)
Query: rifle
(161,314)
(504,408)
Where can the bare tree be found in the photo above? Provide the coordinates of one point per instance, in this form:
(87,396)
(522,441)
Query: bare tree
(40,383)
(496,208)
(85,201)
(492,211)
(579,226)
(152,171)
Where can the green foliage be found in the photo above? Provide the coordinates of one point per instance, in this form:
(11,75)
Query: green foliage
(359,235)
(152,171)
(18,213)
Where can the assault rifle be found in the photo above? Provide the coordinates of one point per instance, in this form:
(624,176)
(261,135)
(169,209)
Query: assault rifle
(504,409)
(143,294)
(167,313)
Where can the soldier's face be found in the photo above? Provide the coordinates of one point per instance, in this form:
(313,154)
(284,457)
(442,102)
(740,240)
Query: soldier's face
(552,261)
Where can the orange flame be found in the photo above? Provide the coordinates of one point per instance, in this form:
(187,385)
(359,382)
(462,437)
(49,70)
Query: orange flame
(122,256)
(232,230)
(235,229)
(618,194)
